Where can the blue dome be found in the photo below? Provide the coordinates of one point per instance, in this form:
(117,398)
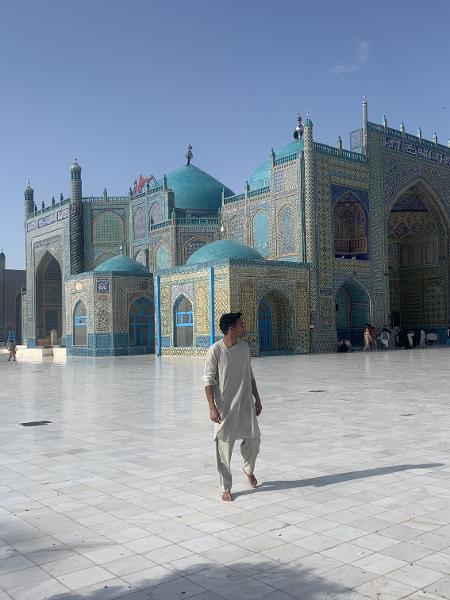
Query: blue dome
(122,264)
(195,189)
(261,176)
(222,250)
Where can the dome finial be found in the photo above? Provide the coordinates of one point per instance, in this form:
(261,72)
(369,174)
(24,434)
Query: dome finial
(308,122)
(189,154)
(299,129)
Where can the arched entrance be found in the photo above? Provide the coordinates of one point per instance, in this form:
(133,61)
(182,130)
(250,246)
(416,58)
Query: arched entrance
(142,324)
(48,298)
(417,237)
(183,334)
(274,323)
(79,324)
(352,312)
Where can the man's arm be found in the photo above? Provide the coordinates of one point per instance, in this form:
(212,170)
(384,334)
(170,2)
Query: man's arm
(214,414)
(258,405)
(210,380)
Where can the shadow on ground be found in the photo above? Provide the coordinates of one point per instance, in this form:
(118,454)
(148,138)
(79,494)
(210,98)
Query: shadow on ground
(336,478)
(202,581)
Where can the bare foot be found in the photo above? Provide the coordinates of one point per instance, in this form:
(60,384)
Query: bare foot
(226,496)
(251,479)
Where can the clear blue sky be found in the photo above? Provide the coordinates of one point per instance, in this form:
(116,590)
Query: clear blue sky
(126,85)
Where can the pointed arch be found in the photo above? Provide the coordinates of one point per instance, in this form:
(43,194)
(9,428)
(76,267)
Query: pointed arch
(141,322)
(48,293)
(353,310)
(275,322)
(417,234)
(183,320)
(79,336)
(350,223)
(260,231)
(108,228)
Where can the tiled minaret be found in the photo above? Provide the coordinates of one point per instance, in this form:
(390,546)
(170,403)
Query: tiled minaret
(76,221)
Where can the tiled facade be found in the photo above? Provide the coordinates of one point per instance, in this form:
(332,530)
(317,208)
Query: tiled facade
(367,228)
(11,283)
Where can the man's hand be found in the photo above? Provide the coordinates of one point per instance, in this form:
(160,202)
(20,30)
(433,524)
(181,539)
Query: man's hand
(214,415)
(258,407)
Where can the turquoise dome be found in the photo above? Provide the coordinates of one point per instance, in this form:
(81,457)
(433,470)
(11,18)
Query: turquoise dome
(195,189)
(222,250)
(261,175)
(122,264)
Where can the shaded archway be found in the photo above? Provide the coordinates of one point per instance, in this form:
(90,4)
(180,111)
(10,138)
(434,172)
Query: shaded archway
(79,336)
(352,304)
(142,324)
(418,266)
(48,298)
(183,319)
(274,323)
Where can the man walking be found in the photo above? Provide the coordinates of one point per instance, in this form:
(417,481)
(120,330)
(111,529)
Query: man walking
(230,388)
(12,351)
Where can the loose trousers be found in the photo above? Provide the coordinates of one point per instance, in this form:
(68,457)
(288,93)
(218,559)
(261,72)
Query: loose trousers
(224,450)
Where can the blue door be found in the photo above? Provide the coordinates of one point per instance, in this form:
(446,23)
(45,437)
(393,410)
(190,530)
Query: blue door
(141,324)
(265,326)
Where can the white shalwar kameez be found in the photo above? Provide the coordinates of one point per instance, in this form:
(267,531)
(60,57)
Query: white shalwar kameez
(230,372)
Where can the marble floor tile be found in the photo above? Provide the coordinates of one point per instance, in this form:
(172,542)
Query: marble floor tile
(118,497)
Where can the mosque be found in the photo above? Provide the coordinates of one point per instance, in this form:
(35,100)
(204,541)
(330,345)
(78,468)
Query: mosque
(321,240)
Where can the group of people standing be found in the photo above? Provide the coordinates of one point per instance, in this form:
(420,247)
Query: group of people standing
(409,338)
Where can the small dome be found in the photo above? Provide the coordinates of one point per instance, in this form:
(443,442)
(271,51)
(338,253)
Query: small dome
(75,167)
(261,175)
(222,250)
(195,189)
(122,264)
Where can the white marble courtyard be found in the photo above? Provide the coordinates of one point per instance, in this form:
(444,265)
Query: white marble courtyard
(117,496)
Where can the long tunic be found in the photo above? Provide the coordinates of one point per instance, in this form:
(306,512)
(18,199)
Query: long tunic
(230,372)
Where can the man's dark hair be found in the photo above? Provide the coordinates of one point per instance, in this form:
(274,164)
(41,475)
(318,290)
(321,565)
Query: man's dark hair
(228,320)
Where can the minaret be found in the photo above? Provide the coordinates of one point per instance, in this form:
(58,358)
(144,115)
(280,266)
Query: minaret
(310,222)
(76,221)
(29,200)
(365,121)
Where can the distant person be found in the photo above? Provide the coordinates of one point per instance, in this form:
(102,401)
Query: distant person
(423,338)
(367,338)
(12,351)
(410,335)
(372,336)
(397,331)
(230,388)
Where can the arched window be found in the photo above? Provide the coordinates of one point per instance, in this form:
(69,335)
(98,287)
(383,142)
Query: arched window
(192,245)
(108,227)
(155,214)
(141,323)
(350,227)
(286,231)
(184,322)
(102,258)
(141,257)
(162,260)
(261,232)
(79,324)
(139,223)
(235,229)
